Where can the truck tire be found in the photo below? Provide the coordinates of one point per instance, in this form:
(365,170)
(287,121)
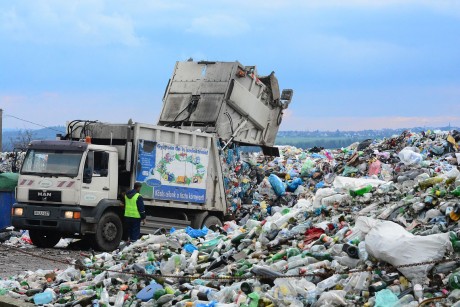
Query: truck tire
(211,220)
(109,230)
(42,238)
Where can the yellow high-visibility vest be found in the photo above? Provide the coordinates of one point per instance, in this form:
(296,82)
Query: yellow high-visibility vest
(131,206)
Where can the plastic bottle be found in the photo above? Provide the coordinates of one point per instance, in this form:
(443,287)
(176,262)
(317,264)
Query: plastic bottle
(328,282)
(300,262)
(119,299)
(320,256)
(362,252)
(454,280)
(456,192)
(281,254)
(264,271)
(104,297)
(418,291)
(340,234)
(84,292)
(361,191)
(406,299)
(425,184)
(279,265)
(445,267)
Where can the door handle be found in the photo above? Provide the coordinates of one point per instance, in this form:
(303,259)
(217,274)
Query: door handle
(85,188)
(105,188)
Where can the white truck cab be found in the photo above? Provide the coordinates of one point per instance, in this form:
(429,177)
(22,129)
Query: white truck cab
(59,180)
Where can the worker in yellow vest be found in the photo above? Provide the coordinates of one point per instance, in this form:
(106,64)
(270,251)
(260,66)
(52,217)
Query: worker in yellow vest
(134,212)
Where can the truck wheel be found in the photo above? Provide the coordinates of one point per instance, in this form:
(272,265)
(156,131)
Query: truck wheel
(108,232)
(42,238)
(212,220)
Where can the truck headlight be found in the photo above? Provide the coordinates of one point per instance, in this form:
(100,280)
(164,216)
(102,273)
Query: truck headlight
(18,211)
(71,215)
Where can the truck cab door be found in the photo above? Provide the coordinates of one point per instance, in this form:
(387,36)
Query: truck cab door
(96,178)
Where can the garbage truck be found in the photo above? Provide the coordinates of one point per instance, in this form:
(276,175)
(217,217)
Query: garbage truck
(73,186)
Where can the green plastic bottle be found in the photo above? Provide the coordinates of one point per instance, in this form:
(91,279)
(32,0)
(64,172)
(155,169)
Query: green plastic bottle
(454,240)
(292,252)
(150,256)
(361,191)
(320,256)
(64,289)
(456,192)
(454,280)
(279,255)
(425,184)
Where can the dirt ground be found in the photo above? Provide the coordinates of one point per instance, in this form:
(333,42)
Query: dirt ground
(13,262)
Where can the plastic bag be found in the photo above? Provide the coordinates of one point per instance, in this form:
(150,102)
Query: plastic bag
(347,183)
(385,298)
(391,243)
(409,156)
(277,185)
(8,181)
(293,185)
(196,233)
(374,168)
(190,248)
(307,167)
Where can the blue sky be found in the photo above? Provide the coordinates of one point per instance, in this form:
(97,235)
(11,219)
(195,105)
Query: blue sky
(353,64)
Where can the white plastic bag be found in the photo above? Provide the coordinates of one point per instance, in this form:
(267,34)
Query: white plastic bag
(391,243)
(410,156)
(348,183)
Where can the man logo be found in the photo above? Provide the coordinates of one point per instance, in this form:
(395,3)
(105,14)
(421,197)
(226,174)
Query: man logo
(44,194)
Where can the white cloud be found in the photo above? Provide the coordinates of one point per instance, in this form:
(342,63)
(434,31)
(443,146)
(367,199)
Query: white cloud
(74,23)
(218,25)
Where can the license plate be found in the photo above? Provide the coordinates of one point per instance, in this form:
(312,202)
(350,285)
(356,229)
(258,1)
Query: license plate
(42,213)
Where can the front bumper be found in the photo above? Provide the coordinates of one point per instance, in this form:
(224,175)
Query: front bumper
(55,221)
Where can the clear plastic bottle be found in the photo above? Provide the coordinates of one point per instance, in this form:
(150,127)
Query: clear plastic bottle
(406,299)
(84,292)
(300,262)
(279,265)
(418,291)
(119,299)
(104,297)
(362,282)
(362,252)
(328,282)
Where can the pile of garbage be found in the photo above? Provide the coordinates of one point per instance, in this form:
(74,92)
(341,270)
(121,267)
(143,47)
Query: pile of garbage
(11,161)
(373,224)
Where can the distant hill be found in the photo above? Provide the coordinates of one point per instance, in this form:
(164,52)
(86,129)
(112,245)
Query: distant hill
(338,139)
(17,136)
(302,139)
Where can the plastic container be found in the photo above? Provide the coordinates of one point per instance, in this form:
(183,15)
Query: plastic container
(6,202)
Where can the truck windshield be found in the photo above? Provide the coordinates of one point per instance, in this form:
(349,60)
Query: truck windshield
(51,163)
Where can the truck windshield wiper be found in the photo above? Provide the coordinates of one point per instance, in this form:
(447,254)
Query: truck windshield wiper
(37,174)
(63,175)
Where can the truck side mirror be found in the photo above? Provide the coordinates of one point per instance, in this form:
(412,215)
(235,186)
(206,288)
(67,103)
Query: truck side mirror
(87,175)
